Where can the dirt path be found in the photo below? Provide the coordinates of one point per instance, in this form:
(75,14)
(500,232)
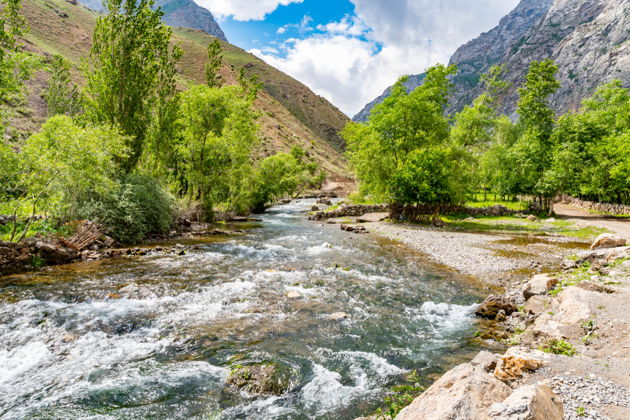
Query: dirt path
(618,225)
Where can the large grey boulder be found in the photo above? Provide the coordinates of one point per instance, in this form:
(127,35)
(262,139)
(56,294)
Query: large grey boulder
(540,284)
(466,392)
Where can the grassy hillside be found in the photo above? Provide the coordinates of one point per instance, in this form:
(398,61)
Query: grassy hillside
(291,114)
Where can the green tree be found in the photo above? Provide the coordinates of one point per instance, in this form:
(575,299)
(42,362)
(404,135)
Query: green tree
(401,124)
(16,66)
(218,131)
(131,71)
(63,160)
(215,59)
(62,96)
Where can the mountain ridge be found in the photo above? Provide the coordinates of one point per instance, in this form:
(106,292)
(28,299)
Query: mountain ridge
(183,13)
(588,40)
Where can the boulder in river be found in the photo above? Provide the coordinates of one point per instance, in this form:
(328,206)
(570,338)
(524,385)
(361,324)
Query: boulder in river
(261,379)
(490,307)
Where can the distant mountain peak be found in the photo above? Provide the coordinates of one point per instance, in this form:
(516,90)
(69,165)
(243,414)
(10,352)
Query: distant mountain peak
(182,13)
(588,40)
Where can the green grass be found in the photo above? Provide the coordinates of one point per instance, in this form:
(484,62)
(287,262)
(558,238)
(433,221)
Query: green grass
(560,347)
(513,224)
(580,274)
(478,201)
(39,227)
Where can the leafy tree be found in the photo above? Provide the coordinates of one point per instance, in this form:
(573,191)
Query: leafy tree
(16,66)
(62,96)
(427,177)
(218,131)
(215,59)
(400,125)
(131,71)
(63,160)
(250,85)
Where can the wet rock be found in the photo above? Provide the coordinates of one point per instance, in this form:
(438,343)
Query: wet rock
(54,253)
(464,392)
(263,379)
(314,208)
(516,361)
(529,402)
(490,307)
(354,229)
(324,201)
(337,316)
(540,284)
(607,240)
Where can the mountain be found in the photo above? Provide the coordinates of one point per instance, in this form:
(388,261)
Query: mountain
(184,13)
(588,40)
(290,113)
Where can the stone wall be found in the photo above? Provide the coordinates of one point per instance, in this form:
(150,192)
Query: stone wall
(608,208)
(419,213)
(33,253)
(350,210)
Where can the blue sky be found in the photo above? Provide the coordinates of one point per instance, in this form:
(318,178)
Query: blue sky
(349,51)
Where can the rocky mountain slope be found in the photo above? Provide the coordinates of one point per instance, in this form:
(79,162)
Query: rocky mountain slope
(184,13)
(290,113)
(588,39)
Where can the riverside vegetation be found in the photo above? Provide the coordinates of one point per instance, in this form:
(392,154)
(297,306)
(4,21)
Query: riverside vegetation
(128,149)
(408,153)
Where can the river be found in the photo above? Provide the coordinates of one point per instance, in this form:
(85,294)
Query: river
(155,337)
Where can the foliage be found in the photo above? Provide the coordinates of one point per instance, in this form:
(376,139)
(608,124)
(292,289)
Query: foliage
(16,66)
(131,71)
(63,160)
(215,58)
(401,125)
(136,207)
(62,96)
(559,347)
(218,131)
(280,175)
(400,397)
(426,177)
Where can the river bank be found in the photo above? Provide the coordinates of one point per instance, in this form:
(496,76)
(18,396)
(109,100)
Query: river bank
(582,313)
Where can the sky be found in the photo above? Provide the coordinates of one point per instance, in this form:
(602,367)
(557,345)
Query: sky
(350,51)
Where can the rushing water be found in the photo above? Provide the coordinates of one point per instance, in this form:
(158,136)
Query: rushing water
(154,337)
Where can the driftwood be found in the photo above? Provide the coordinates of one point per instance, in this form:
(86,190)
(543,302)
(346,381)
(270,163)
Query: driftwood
(86,235)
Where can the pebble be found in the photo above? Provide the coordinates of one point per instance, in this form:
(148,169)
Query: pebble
(589,393)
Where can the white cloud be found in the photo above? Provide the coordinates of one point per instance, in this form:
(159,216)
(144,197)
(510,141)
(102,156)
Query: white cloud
(355,59)
(243,10)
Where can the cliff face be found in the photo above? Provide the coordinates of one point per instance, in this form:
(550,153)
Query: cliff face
(183,13)
(588,39)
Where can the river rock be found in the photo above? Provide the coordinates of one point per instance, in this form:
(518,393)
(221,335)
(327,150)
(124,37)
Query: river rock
(264,379)
(293,294)
(608,240)
(464,392)
(529,402)
(532,218)
(516,361)
(536,305)
(485,360)
(490,307)
(540,284)
(354,229)
(54,253)
(314,208)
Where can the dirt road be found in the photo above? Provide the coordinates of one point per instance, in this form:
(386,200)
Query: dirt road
(618,225)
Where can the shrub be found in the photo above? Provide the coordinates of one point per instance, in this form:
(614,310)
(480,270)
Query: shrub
(137,207)
(559,347)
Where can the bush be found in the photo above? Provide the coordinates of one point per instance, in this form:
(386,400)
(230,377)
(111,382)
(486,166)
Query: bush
(559,347)
(138,207)
(426,178)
